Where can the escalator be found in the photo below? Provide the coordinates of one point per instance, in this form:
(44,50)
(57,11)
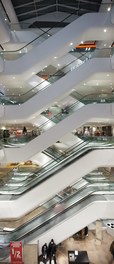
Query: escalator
(84,28)
(82,204)
(56,129)
(46,93)
(59,173)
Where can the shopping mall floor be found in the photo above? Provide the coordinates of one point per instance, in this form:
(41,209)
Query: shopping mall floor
(97,253)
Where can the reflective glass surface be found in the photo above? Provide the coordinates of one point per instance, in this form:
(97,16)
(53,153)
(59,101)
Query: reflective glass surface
(20,180)
(56,213)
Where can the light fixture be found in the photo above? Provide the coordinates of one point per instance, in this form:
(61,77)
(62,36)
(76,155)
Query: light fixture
(13,77)
(109,8)
(105,45)
(105,30)
(55,57)
(82,42)
(71,43)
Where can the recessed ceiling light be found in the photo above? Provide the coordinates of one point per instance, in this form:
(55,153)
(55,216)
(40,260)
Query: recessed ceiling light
(109,8)
(84,84)
(82,42)
(107,75)
(5,19)
(33,73)
(97,84)
(55,57)
(58,64)
(105,30)
(71,43)
(13,77)
(104,45)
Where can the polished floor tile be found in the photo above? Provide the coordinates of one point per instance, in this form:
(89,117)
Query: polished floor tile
(98,253)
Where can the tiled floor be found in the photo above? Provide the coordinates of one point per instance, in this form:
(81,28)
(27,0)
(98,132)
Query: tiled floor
(98,254)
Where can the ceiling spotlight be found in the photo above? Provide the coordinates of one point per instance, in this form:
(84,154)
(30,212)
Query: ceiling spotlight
(109,8)
(105,30)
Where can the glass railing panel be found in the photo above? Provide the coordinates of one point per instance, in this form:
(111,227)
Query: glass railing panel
(41,174)
(102,175)
(16,141)
(52,212)
(44,172)
(103,97)
(51,78)
(45,222)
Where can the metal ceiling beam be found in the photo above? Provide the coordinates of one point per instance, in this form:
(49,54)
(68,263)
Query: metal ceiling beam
(30,3)
(36,10)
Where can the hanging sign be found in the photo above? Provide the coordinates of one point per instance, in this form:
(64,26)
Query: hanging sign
(16,252)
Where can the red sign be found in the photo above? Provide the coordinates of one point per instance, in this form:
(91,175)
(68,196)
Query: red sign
(16,252)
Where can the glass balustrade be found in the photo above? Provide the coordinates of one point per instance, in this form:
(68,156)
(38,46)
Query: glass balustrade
(103,97)
(19,181)
(53,119)
(47,78)
(57,212)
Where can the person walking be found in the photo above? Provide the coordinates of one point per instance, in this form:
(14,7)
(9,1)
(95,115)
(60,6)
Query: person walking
(44,252)
(52,251)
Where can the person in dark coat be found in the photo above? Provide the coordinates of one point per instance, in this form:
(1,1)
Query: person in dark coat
(112,249)
(24,130)
(44,252)
(52,251)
